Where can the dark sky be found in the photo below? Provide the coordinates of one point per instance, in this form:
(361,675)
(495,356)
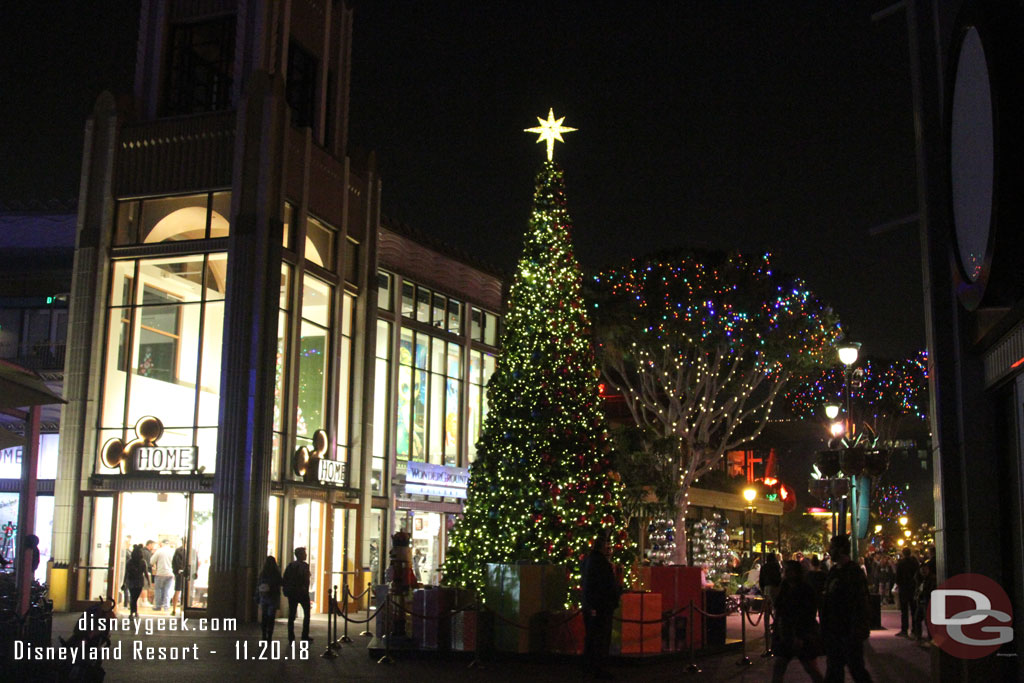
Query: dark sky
(775,125)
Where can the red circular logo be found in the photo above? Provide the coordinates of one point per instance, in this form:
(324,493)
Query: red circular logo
(969,616)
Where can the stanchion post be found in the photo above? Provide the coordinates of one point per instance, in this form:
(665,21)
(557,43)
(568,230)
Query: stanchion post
(387,659)
(344,615)
(692,668)
(366,631)
(744,660)
(328,652)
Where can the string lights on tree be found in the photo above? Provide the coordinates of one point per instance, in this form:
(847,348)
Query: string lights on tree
(700,345)
(542,487)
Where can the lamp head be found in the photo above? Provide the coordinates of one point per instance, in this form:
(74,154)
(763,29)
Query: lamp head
(831,410)
(903,521)
(837,429)
(848,352)
(750,495)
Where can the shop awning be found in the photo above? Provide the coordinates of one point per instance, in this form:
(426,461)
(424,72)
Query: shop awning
(21,388)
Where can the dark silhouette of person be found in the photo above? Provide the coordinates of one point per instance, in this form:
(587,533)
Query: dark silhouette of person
(268,595)
(295,584)
(31,546)
(601,593)
(768,581)
(906,585)
(845,623)
(796,624)
(135,573)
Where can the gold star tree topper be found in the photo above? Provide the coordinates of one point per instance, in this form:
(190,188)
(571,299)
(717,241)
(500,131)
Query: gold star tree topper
(550,131)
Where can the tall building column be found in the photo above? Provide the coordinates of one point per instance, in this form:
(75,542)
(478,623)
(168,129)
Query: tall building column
(85,335)
(241,483)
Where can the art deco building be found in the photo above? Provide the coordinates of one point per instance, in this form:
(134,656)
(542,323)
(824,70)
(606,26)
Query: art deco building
(254,364)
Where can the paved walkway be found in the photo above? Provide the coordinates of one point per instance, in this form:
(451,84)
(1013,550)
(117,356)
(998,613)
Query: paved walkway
(888,658)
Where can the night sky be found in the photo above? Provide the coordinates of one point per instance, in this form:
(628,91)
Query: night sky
(778,126)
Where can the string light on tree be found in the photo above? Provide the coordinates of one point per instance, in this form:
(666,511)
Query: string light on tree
(542,487)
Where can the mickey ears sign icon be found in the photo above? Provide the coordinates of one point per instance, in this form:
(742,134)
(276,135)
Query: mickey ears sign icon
(302,457)
(115,454)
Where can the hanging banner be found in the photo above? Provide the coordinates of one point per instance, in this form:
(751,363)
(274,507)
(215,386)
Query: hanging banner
(425,479)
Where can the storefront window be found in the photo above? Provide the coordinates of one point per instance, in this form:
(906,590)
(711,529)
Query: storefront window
(408,303)
(274,528)
(46,463)
(384,281)
(481,367)
(164,340)
(43,529)
(345,377)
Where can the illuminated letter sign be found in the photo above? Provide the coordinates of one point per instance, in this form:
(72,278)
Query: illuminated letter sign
(330,472)
(181,459)
(425,479)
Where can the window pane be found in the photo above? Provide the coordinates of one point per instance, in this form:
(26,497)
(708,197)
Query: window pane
(316,301)
(454,361)
(380,411)
(216,276)
(488,367)
(127,231)
(403,423)
(121,284)
(454,316)
(172,219)
(473,423)
(438,313)
(437,356)
(476,324)
(475,365)
(171,279)
(347,314)
(209,385)
(351,257)
(115,380)
(344,389)
(280,369)
(436,428)
(319,243)
(490,329)
(289,225)
(422,342)
(284,301)
(164,364)
(220,218)
(405,348)
(451,422)
(419,415)
(313,355)
(206,442)
(384,291)
(383,339)
(276,441)
(408,307)
(422,304)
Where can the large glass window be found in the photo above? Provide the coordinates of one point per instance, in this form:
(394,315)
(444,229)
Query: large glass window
(319,243)
(345,377)
(163,356)
(384,281)
(481,367)
(200,66)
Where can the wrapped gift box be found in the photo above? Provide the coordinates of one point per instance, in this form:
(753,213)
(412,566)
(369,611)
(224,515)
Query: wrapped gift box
(633,637)
(678,586)
(516,593)
(431,617)
(472,630)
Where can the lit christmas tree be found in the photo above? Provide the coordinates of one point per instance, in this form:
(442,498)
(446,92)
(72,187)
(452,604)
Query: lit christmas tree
(541,488)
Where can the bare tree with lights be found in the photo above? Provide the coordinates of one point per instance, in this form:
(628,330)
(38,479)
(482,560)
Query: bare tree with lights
(700,346)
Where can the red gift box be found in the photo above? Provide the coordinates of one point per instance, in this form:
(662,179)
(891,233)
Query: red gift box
(679,585)
(565,632)
(640,615)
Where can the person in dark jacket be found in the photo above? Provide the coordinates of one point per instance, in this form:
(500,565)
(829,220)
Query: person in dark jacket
(769,581)
(295,585)
(844,615)
(816,577)
(906,587)
(268,595)
(135,573)
(796,625)
(601,592)
(925,586)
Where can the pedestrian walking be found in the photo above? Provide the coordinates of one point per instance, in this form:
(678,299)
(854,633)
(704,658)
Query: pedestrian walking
(163,575)
(601,593)
(924,594)
(796,625)
(844,615)
(268,596)
(906,587)
(295,585)
(135,572)
(769,581)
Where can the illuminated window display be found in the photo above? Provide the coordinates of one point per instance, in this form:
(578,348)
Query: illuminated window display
(280,438)
(172,219)
(345,377)
(313,359)
(381,392)
(163,358)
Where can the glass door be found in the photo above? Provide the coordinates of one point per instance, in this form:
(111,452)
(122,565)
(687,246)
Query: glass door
(343,544)
(95,566)
(308,522)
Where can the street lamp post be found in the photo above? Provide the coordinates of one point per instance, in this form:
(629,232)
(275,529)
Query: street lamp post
(848,353)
